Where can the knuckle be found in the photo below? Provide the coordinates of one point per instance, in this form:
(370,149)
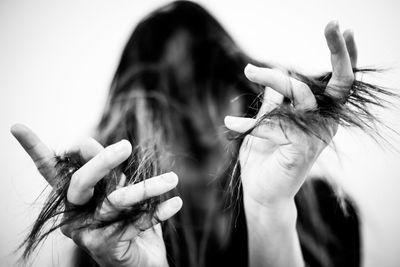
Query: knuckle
(304,88)
(348,79)
(287,163)
(291,159)
(89,141)
(88,241)
(42,164)
(303,92)
(144,222)
(118,198)
(66,230)
(345,79)
(76,181)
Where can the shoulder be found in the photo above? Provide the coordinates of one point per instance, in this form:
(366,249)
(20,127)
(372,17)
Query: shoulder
(329,222)
(340,212)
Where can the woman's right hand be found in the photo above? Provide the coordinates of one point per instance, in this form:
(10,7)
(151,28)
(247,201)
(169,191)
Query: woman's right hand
(138,244)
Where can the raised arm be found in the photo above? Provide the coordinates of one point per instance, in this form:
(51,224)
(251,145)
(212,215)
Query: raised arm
(276,156)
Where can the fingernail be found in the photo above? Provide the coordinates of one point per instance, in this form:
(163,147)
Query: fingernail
(336,25)
(229,120)
(121,145)
(176,202)
(250,70)
(171,177)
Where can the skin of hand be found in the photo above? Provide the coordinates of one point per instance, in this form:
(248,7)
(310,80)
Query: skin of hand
(275,160)
(139,244)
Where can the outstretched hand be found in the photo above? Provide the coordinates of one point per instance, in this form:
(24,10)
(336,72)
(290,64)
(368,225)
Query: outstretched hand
(276,157)
(138,244)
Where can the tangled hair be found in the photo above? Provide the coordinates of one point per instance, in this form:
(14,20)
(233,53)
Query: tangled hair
(179,68)
(355,110)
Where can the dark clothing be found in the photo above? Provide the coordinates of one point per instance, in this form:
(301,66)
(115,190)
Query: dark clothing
(343,223)
(331,238)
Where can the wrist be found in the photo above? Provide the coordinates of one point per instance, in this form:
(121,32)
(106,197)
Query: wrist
(280,212)
(273,238)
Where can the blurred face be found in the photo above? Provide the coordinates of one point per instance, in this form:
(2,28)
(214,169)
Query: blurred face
(203,111)
(205,115)
(178,56)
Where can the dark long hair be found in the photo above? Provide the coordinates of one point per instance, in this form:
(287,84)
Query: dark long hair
(178,73)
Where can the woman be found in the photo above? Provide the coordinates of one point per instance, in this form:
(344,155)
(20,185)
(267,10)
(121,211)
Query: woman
(180,74)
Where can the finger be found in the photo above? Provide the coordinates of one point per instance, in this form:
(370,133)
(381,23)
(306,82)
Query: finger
(348,36)
(271,100)
(127,196)
(269,130)
(297,91)
(87,149)
(342,72)
(122,181)
(167,209)
(239,124)
(83,181)
(164,211)
(42,156)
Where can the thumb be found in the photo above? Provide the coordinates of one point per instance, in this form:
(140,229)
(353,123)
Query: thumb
(239,124)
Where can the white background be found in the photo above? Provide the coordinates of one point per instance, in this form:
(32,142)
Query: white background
(57,60)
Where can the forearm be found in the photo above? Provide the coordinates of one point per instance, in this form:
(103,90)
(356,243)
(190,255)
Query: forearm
(272,235)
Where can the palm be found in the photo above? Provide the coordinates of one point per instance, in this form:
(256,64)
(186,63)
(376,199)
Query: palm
(270,167)
(146,249)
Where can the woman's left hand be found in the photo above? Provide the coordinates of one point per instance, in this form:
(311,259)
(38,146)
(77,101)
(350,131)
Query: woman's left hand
(275,159)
